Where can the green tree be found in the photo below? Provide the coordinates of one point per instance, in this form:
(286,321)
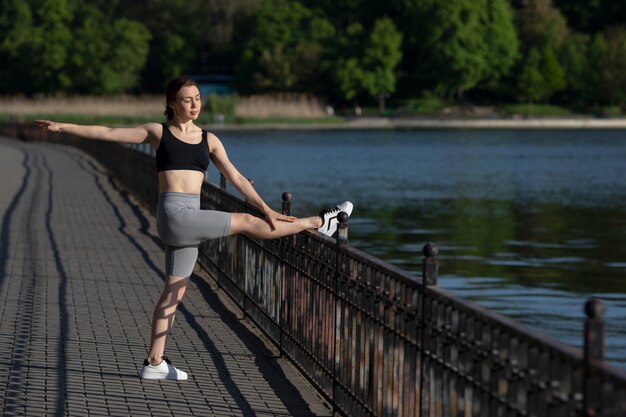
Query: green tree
(342,14)
(594,68)
(538,23)
(542,31)
(595,59)
(16,29)
(177,28)
(578,79)
(502,42)
(188,36)
(530,80)
(349,78)
(36,37)
(381,56)
(541,75)
(345,67)
(55,46)
(129,44)
(285,48)
(552,71)
(88,52)
(455,45)
(614,66)
(221,47)
(50,45)
(107,55)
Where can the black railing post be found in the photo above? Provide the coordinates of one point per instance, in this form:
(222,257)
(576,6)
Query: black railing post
(430,270)
(286,210)
(594,331)
(342,240)
(286,203)
(593,353)
(430,267)
(222,182)
(342,229)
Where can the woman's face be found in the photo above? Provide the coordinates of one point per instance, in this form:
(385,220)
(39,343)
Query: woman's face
(188,103)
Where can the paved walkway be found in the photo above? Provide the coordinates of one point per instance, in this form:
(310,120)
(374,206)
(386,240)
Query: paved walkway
(80,271)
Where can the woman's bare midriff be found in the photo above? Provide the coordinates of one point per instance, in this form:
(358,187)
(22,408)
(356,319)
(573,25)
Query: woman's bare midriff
(181,181)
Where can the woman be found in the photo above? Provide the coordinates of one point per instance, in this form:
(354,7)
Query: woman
(183,151)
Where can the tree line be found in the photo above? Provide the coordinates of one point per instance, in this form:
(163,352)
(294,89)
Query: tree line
(571,52)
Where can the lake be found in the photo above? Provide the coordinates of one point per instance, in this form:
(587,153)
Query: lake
(530,223)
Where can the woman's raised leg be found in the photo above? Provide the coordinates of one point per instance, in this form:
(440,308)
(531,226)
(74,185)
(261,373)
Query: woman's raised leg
(260,229)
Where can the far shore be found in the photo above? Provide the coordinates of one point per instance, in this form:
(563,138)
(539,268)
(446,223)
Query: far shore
(374,123)
(306,113)
(439,123)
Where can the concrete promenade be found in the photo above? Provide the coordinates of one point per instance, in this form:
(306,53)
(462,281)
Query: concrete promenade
(80,272)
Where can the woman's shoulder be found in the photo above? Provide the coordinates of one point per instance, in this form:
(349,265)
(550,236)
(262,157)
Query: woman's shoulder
(210,135)
(212,140)
(155,129)
(154,132)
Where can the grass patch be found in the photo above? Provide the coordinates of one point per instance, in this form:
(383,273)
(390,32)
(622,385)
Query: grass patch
(612,111)
(536,110)
(374,111)
(427,103)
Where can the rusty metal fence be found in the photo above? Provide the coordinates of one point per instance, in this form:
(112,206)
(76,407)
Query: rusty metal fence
(376,340)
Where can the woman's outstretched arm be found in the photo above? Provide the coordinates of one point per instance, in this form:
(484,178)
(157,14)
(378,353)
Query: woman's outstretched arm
(139,134)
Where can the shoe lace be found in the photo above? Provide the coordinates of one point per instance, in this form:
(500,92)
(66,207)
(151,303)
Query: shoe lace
(167,360)
(330,210)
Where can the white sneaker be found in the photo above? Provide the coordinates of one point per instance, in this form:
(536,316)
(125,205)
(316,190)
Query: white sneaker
(329,217)
(164,370)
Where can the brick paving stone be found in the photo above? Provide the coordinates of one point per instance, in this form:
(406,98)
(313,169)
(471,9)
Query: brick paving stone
(80,271)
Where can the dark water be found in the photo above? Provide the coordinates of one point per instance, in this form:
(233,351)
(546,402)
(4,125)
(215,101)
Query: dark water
(529,223)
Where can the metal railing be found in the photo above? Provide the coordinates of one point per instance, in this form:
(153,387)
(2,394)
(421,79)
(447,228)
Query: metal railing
(376,340)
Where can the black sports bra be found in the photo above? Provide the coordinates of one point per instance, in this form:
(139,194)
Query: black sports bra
(173,153)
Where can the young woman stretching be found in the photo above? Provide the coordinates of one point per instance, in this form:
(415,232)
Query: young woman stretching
(183,151)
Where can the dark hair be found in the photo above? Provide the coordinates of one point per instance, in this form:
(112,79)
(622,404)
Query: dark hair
(173,87)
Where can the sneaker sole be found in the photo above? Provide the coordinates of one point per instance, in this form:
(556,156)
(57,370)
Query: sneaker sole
(159,376)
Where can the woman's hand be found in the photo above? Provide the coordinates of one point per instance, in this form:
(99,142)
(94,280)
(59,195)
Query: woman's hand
(49,125)
(272,217)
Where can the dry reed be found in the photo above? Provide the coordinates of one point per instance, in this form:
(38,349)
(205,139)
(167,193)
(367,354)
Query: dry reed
(84,105)
(295,106)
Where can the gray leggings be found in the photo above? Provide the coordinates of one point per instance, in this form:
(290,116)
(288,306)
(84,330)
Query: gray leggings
(182,226)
